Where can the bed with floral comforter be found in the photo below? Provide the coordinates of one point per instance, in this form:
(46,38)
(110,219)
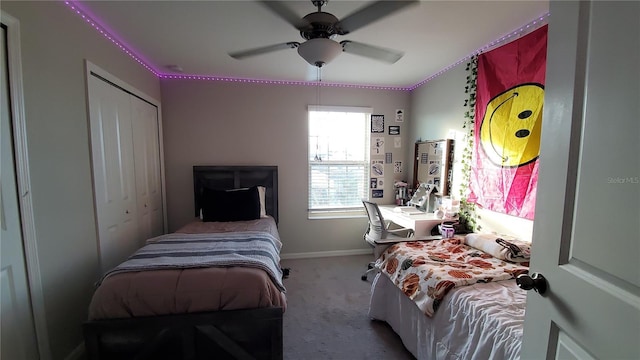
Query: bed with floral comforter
(425,271)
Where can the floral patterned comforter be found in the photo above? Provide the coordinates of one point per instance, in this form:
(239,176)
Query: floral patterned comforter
(426,271)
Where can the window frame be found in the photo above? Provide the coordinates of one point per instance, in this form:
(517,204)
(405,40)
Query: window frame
(340,212)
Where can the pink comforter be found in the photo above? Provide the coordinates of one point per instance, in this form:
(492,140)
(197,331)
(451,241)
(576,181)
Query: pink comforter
(180,291)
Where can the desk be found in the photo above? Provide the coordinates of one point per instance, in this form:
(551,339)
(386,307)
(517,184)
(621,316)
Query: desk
(421,223)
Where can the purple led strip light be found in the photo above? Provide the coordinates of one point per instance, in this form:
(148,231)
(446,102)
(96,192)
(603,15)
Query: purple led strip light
(538,22)
(102,29)
(108,34)
(278,82)
(73,5)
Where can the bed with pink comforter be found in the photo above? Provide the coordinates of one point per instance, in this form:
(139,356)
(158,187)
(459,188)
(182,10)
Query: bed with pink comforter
(213,289)
(191,290)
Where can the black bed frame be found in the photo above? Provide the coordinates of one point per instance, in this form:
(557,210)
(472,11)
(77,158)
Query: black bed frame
(231,334)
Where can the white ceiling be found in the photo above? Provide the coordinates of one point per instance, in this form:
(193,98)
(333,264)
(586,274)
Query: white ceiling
(197,36)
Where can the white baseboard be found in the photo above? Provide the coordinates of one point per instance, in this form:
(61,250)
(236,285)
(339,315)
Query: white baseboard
(326,254)
(77,354)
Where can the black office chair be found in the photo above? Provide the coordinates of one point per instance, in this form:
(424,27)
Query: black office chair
(379,231)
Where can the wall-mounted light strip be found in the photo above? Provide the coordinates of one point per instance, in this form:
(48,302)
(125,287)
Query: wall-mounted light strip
(277,82)
(76,7)
(533,25)
(102,29)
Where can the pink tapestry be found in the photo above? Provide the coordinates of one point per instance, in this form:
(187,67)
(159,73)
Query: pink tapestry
(509,99)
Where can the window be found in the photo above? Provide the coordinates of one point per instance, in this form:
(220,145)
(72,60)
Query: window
(338,158)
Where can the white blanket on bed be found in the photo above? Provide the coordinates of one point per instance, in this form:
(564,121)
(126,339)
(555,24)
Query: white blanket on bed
(182,251)
(475,322)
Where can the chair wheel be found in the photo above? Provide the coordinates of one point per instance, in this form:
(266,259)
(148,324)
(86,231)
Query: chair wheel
(363,277)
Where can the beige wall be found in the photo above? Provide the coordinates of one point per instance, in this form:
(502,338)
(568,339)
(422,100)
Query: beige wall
(54,44)
(221,123)
(437,109)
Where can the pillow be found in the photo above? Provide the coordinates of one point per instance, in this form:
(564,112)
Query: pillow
(261,192)
(500,246)
(230,205)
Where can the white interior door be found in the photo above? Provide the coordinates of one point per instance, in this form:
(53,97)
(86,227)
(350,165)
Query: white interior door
(113,171)
(586,233)
(146,148)
(17,330)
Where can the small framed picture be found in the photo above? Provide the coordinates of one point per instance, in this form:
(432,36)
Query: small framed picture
(377,194)
(377,168)
(394,130)
(377,145)
(397,167)
(377,123)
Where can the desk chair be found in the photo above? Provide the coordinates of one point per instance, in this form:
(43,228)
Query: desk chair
(381,231)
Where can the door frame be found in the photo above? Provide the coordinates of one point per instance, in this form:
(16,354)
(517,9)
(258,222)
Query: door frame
(23,180)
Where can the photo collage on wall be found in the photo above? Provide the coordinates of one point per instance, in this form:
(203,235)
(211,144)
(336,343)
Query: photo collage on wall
(380,157)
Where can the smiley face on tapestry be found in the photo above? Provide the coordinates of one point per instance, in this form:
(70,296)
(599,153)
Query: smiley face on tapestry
(510,129)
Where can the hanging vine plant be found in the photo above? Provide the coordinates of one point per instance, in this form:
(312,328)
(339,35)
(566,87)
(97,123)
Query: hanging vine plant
(468,217)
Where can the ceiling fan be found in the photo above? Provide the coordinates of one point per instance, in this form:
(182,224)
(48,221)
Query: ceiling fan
(320,28)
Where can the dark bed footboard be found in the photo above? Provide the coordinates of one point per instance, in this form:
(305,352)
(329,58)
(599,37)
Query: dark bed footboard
(233,334)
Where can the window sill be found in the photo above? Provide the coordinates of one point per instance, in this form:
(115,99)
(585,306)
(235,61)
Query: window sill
(335,214)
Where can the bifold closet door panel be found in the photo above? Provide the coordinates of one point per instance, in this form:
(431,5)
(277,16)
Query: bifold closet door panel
(113,172)
(146,148)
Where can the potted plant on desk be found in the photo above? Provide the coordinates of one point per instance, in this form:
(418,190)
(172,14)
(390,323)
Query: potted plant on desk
(467,218)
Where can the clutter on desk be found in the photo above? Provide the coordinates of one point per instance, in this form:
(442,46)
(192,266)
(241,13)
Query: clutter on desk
(402,193)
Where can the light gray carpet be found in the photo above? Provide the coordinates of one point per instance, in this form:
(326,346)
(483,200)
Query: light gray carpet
(326,317)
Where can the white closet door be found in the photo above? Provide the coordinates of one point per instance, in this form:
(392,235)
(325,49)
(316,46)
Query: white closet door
(17,326)
(146,148)
(113,169)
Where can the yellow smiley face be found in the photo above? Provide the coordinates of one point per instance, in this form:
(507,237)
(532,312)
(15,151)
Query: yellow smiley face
(510,129)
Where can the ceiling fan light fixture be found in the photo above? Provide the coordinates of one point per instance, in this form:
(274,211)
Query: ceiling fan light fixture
(320,51)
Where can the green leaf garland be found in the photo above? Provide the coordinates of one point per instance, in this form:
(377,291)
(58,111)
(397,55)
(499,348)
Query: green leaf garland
(468,217)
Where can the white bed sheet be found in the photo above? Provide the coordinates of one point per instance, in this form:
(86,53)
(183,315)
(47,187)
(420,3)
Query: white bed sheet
(480,321)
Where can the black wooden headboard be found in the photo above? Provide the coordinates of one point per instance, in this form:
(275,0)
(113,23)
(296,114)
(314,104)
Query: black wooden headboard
(233,177)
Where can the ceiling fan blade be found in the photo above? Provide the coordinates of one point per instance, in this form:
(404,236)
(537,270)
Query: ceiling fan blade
(371,13)
(370,51)
(264,49)
(279,8)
